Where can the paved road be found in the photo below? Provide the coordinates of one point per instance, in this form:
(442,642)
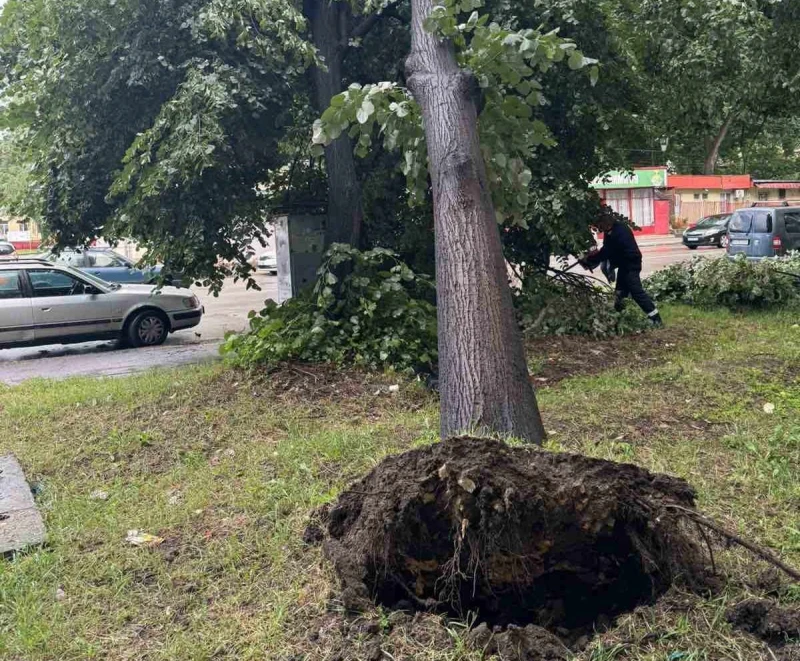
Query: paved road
(661,252)
(658,256)
(228,312)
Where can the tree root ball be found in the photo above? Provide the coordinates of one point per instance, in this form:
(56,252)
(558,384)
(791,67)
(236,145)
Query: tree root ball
(515,535)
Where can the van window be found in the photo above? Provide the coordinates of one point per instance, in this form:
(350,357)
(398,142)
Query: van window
(741,221)
(759,222)
(762,223)
(792,222)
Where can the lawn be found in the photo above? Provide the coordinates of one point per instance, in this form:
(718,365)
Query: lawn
(226,467)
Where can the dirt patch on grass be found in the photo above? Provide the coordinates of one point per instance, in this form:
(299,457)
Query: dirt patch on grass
(566,356)
(404,636)
(519,537)
(774,624)
(642,428)
(361,393)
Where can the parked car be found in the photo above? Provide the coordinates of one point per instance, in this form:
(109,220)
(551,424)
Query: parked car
(108,265)
(8,252)
(45,303)
(709,231)
(268,263)
(759,232)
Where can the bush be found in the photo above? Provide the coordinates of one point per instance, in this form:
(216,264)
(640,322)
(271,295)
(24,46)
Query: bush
(732,283)
(573,306)
(367,308)
(672,283)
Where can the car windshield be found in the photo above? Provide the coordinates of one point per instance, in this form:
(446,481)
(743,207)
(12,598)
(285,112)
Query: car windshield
(759,221)
(712,221)
(102,285)
(105,258)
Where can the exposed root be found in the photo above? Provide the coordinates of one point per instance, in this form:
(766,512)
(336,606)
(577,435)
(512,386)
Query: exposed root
(759,551)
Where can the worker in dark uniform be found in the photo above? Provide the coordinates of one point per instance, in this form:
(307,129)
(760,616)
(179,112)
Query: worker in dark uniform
(620,249)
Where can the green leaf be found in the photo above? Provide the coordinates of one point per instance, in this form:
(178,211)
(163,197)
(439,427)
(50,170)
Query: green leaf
(575,60)
(430,24)
(318,133)
(365,111)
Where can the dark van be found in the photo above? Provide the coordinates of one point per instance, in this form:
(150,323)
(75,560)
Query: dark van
(759,232)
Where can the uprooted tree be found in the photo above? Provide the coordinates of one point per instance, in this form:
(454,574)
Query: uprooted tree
(484,382)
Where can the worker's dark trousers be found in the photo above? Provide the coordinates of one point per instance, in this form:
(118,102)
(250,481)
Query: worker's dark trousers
(629,283)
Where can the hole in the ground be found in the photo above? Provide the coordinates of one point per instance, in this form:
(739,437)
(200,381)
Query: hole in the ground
(580,582)
(517,537)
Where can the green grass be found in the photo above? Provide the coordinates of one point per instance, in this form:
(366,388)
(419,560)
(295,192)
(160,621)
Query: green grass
(226,469)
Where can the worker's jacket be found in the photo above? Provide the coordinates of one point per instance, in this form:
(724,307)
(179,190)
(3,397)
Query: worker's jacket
(619,248)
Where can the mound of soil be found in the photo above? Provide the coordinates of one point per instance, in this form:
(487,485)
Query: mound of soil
(519,536)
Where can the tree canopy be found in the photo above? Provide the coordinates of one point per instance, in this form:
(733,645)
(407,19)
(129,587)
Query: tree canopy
(182,124)
(709,70)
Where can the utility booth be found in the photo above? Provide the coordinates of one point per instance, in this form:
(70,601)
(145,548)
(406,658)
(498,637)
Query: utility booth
(299,247)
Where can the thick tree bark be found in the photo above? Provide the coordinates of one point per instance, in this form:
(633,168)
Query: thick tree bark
(330,23)
(713,153)
(483,377)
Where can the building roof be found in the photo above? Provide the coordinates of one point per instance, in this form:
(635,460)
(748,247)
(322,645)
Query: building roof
(776,183)
(710,181)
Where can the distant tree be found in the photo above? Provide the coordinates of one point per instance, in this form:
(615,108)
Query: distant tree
(709,69)
(15,179)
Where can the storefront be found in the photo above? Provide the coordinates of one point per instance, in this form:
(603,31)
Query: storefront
(25,235)
(638,196)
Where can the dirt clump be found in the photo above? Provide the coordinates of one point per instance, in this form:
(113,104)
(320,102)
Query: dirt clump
(529,643)
(775,624)
(515,535)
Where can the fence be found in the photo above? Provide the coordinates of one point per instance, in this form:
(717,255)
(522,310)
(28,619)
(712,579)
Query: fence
(688,213)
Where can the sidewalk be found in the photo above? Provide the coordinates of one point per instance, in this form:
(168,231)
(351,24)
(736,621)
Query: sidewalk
(648,241)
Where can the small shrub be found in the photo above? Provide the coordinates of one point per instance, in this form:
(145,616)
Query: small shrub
(367,308)
(549,306)
(672,283)
(732,283)
(737,283)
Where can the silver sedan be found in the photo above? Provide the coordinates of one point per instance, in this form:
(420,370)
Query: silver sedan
(44,303)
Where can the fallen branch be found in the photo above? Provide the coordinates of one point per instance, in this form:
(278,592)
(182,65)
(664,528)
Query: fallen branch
(760,551)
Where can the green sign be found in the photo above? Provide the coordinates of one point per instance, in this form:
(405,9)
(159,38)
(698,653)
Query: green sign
(635,179)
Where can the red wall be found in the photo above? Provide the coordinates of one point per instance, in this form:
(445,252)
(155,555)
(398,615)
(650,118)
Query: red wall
(710,181)
(26,245)
(661,211)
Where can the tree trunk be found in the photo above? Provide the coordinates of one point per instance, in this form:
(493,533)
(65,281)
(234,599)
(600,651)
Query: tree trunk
(483,378)
(330,23)
(713,153)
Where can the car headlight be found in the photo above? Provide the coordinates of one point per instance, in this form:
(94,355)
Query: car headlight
(191,303)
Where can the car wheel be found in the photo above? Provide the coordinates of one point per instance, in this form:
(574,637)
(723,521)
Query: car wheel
(149,328)
(692,247)
(723,242)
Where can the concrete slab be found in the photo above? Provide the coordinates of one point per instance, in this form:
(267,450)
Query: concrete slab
(21,524)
